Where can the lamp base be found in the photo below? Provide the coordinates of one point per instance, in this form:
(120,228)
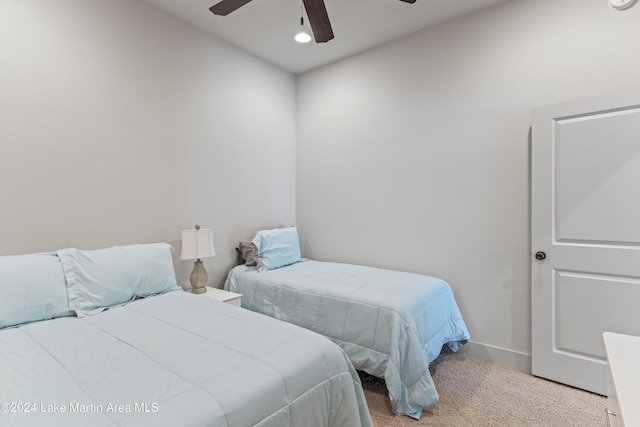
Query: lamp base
(199,290)
(199,278)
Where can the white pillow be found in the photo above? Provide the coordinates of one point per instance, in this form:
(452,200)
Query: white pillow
(277,248)
(109,277)
(32,288)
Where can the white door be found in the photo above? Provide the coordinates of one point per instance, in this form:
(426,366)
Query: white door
(585,223)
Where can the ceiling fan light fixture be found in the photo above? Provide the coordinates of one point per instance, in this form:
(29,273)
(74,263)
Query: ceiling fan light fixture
(302,37)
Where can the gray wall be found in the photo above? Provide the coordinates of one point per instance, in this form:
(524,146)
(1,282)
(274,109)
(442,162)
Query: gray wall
(415,155)
(120,124)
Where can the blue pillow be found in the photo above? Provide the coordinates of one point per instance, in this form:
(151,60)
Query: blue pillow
(105,278)
(277,248)
(32,288)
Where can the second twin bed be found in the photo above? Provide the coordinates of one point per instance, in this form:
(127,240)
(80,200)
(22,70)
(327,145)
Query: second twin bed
(391,324)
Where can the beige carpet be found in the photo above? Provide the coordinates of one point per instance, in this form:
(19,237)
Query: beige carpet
(475,392)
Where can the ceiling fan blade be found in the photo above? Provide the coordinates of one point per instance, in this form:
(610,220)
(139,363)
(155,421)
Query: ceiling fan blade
(225,7)
(319,20)
(409,1)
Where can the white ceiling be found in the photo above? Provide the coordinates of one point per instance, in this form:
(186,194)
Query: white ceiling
(266,27)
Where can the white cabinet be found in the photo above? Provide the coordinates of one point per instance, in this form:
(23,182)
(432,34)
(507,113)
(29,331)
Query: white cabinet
(623,354)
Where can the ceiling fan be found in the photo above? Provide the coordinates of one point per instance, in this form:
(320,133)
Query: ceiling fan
(316,12)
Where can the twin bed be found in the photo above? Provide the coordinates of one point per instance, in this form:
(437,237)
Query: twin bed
(391,324)
(107,338)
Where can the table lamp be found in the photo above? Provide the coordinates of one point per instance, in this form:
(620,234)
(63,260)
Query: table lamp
(198,244)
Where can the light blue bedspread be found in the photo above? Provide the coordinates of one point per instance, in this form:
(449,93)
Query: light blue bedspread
(391,324)
(175,360)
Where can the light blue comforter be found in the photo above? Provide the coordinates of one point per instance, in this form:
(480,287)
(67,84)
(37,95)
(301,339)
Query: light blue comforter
(391,324)
(175,360)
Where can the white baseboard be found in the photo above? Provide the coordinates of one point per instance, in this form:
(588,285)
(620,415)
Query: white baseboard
(512,358)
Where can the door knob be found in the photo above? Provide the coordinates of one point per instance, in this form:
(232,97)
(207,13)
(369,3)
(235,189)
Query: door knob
(540,255)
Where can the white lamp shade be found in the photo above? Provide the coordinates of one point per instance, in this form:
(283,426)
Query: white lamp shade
(197,244)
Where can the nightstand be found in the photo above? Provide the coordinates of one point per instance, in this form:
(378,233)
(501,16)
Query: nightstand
(224,296)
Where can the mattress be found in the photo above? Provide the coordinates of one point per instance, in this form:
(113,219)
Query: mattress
(175,360)
(391,324)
